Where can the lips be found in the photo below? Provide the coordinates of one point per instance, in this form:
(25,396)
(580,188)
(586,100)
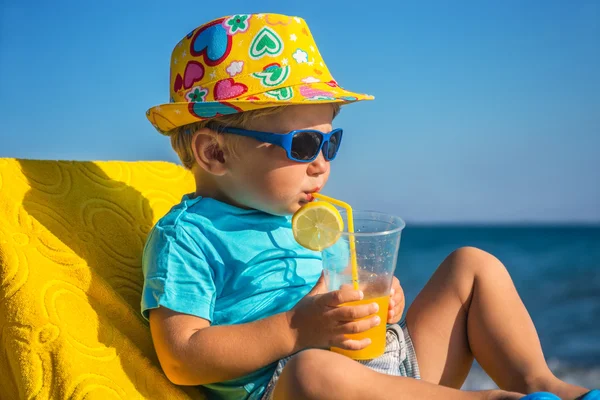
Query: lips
(309,196)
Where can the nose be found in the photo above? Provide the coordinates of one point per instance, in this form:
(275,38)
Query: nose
(319,166)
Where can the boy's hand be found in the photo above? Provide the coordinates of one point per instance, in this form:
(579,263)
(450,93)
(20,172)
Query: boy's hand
(318,321)
(396,307)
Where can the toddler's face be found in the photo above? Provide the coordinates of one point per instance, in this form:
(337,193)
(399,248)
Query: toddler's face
(261,176)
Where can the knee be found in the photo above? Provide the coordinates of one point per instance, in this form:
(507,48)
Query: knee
(474,262)
(307,375)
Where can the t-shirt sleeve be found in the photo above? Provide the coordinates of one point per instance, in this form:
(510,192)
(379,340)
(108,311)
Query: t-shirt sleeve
(177,274)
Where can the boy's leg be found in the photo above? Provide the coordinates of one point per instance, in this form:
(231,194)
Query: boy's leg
(324,375)
(468,308)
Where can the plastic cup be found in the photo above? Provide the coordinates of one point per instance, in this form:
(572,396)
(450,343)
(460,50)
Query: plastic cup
(376,239)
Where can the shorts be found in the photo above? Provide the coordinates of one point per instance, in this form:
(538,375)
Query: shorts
(399,358)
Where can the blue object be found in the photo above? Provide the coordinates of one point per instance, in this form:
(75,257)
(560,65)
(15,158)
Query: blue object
(229,266)
(540,396)
(302,145)
(592,395)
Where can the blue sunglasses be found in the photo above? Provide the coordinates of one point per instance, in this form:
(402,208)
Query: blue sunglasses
(302,145)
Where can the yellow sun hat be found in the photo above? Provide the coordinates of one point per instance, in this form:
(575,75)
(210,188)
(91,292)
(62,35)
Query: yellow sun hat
(242,63)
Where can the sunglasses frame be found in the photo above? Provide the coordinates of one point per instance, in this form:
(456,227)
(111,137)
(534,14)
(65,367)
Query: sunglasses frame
(284,140)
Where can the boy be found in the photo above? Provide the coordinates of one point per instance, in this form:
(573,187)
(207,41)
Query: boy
(236,305)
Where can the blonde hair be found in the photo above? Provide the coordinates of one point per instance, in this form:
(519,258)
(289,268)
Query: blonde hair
(181,137)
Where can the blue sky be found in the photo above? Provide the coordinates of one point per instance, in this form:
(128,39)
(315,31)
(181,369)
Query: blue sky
(484,111)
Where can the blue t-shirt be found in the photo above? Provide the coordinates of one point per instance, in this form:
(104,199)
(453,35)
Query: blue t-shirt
(229,266)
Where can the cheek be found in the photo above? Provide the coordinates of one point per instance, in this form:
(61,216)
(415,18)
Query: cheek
(269,175)
(286,180)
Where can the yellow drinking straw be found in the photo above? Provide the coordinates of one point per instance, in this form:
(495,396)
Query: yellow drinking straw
(348,209)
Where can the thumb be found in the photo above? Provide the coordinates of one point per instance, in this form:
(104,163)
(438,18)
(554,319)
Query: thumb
(319,287)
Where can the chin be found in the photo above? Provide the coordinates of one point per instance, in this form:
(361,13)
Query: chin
(292,208)
(284,209)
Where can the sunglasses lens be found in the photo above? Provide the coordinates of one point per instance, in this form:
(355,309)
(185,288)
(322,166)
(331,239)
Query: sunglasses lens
(334,145)
(305,145)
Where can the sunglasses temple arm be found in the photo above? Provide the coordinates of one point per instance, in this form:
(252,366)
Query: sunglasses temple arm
(260,136)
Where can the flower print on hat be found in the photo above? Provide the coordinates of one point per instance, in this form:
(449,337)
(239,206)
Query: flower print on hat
(237,24)
(245,62)
(197,94)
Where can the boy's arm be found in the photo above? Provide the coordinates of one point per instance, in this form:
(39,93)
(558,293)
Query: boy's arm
(192,352)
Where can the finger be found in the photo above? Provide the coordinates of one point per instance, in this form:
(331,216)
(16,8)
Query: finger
(337,297)
(352,313)
(397,306)
(396,313)
(398,301)
(398,294)
(396,318)
(351,344)
(359,326)
(392,310)
(345,343)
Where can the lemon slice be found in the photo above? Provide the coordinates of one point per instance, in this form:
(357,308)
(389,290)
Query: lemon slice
(317,225)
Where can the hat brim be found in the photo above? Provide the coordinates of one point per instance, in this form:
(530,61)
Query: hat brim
(166,117)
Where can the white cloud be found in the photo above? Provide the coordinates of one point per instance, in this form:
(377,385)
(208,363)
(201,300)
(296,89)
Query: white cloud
(311,79)
(235,68)
(300,56)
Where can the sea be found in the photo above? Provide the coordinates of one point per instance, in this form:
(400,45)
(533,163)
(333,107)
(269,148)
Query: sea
(556,270)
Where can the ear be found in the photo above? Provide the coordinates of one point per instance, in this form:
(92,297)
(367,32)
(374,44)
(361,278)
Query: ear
(208,151)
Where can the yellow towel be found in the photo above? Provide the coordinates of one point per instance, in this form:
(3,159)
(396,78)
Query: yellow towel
(71,238)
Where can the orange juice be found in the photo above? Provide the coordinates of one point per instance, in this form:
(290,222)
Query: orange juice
(376,334)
